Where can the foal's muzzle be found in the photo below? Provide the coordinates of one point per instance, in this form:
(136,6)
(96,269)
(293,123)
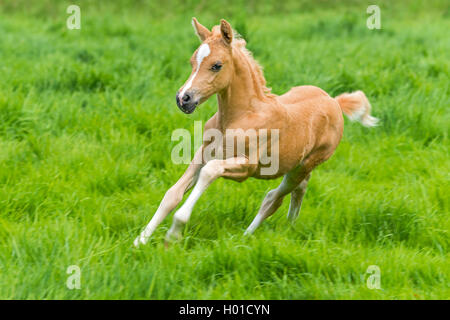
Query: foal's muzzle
(186,103)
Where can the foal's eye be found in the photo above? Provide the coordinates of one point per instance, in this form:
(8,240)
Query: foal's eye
(216,66)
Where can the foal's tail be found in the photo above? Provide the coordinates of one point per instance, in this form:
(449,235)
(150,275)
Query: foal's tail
(357,107)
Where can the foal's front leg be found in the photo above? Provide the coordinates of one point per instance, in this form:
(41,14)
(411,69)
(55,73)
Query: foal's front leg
(236,168)
(172,197)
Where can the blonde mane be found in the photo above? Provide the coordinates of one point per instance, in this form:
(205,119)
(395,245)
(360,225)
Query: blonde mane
(240,44)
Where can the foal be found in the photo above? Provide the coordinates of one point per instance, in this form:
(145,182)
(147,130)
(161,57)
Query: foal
(308,121)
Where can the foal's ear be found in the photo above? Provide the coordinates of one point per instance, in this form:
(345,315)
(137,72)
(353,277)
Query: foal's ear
(226,30)
(201,31)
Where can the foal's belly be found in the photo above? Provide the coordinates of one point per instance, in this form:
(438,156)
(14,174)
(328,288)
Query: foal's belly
(311,120)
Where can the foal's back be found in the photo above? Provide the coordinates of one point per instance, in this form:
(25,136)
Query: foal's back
(301,93)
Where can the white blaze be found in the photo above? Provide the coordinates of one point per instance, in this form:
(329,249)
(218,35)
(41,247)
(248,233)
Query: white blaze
(202,53)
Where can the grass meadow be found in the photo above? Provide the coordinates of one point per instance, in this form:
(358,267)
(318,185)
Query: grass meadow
(86,118)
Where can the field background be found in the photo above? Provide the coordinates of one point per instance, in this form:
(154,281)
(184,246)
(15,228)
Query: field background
(86,118)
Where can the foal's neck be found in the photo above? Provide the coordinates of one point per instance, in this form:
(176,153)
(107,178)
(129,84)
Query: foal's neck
(244,94)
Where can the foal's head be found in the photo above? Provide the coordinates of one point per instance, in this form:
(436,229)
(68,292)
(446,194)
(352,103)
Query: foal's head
(212,66)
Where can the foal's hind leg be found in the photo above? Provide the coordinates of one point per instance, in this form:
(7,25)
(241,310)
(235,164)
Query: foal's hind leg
(291,180)
(297,198)
(274,198)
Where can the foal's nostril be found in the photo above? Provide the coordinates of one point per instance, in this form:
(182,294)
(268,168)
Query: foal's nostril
(186,97)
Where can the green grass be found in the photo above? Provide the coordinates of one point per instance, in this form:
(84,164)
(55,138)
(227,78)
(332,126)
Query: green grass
(85,124)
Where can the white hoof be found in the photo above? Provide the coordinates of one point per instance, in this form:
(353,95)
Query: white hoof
(141,240)
(175,231)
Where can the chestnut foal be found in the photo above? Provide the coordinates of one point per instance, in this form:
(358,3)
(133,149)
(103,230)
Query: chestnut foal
(309,124)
